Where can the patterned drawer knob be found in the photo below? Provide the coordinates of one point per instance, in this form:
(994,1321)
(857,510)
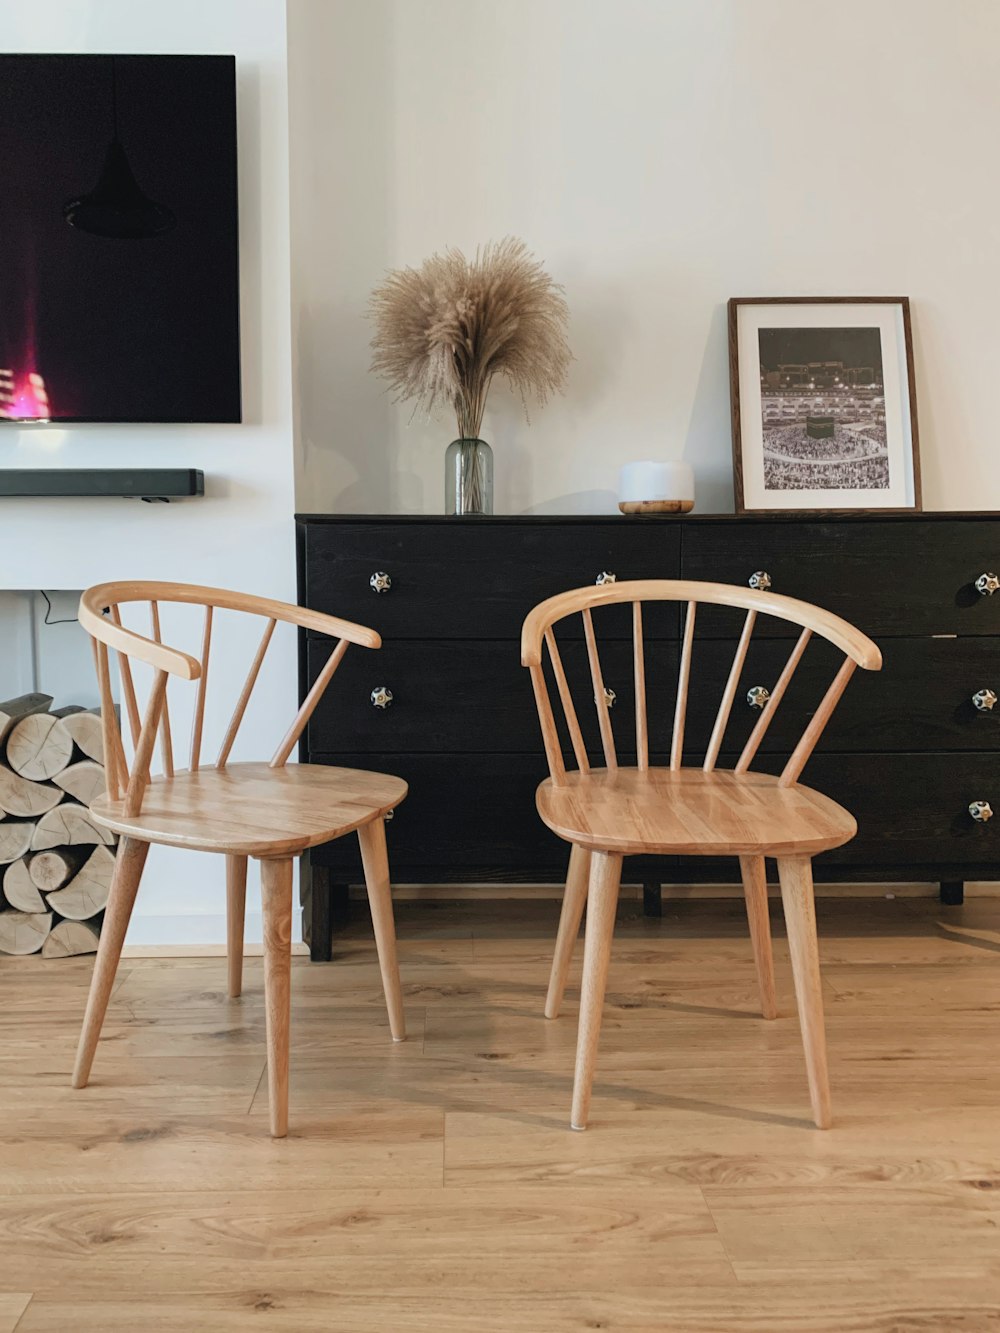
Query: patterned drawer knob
(758,695)
(609,697)
(987,584)
(980,811)
(984,700)
(381,696)
(380,582)
(761,581)
(605,577)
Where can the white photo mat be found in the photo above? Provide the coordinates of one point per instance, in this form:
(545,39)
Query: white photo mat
(888,319)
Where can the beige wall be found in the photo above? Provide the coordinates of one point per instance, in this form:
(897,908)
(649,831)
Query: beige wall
(661,155)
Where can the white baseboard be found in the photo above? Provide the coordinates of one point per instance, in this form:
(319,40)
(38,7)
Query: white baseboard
(197,933)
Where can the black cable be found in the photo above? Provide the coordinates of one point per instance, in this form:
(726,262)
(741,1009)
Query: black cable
(70,620)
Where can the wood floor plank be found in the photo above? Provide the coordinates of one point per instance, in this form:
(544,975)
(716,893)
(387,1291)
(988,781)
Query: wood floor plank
(637,1149)
(157,1149)
(825,1223)
(893,1302)
(12,1306)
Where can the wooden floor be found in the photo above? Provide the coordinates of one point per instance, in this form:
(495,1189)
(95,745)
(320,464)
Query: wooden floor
(435,1186)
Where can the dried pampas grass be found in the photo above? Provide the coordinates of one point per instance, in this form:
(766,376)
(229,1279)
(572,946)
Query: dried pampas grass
(443,331)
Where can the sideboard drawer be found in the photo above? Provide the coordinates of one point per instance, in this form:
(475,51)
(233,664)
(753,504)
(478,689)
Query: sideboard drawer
(886,578)
(912,809)
(472,581)
(482,812)
(922,696)
(472,696)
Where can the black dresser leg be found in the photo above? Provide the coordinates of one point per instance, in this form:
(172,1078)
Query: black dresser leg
(953,892)
(652,898)
(314,895)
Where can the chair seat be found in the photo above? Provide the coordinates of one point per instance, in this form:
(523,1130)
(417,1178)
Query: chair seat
(690,812)
(255,810)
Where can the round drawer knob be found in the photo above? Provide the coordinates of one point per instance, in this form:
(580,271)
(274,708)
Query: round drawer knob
(605,577)
(389,814)
(381,696)
(761,581)
(758,695)
(984,700)
(987,584)
(980,811)
(380,582)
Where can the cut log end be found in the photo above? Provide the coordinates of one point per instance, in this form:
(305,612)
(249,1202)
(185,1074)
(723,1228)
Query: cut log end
(14,709)
(25,932)
(19,889)
(84,781)
(86,894)
(52,869)
(26,799)
(15,839)
(70,938)
(83,729)
(68,825)
(38,747)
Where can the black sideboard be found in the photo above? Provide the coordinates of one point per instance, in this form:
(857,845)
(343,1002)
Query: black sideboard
(907,750)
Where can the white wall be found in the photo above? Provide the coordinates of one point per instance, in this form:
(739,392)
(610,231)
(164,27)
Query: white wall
(241,534)
(661,156)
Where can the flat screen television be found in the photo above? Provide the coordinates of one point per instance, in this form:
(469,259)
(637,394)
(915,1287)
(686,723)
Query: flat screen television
(119,262)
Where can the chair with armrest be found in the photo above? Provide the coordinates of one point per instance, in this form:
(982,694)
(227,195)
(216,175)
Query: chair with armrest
(269,811)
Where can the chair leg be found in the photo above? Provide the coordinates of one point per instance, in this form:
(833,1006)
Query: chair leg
(375,859)
(276,899)
(754,875)
(129,863)
(795,873)
(602,900)
(236,905)
(569,927)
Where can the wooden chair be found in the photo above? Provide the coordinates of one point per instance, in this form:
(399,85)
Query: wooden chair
(268,811)
(616,810)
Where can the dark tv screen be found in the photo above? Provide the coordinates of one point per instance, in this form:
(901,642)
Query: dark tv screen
(119,265)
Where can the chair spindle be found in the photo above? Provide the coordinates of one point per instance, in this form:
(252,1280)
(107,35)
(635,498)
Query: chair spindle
(771,707)
(245,693)
(600,698)
(166,741)
(199,708)
(128,685)
(641,724)
(550,737)
(147,739)
(119,746)
(566,698)
(729,693)
(308,706)
(108,721)
(683,681)
(800,755)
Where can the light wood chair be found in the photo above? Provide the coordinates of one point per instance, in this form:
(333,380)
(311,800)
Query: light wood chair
(616,810)
(269,811)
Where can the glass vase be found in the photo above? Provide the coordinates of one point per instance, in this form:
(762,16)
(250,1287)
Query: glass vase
(468,478)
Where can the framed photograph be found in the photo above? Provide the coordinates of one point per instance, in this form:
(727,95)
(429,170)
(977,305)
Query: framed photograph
(823,403)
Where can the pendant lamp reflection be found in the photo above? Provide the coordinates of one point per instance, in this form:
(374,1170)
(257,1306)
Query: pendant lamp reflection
(116,206)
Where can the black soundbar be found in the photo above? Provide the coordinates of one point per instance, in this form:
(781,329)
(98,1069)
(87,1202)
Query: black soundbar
(143,483)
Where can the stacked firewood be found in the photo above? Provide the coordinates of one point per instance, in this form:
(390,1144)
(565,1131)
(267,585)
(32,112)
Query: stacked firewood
(55,860)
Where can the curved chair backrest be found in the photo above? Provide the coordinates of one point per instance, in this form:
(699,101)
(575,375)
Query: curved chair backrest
(538,634)
(100,616)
